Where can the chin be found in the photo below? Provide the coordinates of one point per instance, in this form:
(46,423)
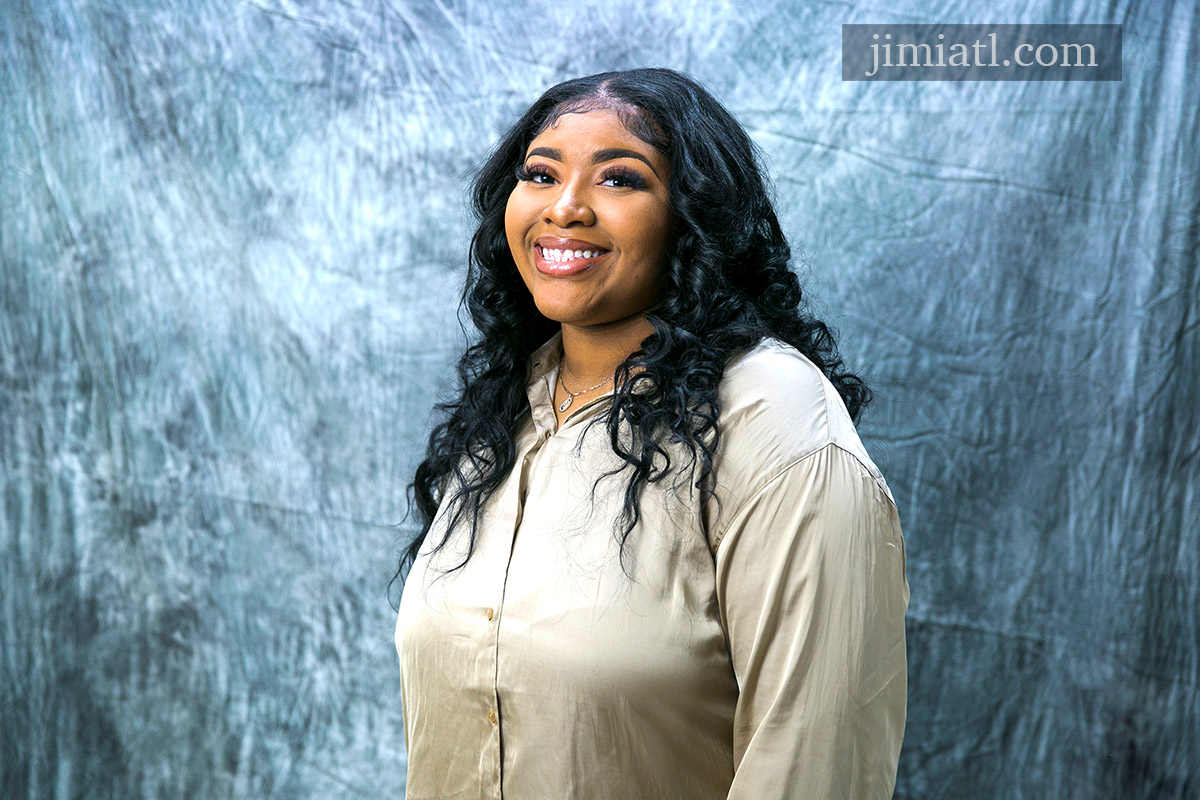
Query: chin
(563,317)
(560,312)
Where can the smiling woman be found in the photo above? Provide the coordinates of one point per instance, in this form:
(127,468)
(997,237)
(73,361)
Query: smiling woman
(655,559)
(588,176)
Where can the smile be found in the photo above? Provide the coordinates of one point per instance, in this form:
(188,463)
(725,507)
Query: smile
(558,263)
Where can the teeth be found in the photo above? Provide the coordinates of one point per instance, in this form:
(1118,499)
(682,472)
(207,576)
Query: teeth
(568,255)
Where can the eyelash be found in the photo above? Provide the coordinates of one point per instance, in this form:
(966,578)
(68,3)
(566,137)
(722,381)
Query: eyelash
(634,179)
(525,173)
(631,178)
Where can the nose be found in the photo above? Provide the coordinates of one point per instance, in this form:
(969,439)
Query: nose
(570,205)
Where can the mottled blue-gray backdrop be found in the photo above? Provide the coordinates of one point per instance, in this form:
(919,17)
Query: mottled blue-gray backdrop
(232,238)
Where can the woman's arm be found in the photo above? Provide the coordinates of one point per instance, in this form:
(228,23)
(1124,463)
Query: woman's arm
(812,588)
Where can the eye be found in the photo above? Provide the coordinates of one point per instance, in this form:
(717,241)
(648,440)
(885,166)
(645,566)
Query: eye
(534,173)
(623,178)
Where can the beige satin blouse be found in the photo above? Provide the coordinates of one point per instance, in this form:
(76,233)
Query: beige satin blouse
(766,661)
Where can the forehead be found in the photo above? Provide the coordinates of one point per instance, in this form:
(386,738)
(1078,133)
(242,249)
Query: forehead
(593,129)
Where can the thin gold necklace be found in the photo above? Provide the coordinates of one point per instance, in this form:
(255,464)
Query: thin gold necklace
(572,395)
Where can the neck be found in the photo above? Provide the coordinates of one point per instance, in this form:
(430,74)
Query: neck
(593,353)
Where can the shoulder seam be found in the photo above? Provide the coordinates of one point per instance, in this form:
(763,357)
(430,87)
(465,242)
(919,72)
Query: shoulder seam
(716,545)
(825,386)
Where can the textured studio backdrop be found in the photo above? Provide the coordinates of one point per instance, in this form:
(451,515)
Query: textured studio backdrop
(232,237)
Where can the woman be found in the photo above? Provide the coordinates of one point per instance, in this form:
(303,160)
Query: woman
(655,560)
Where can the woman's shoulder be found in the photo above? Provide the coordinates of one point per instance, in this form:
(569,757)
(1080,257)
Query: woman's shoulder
(776,408)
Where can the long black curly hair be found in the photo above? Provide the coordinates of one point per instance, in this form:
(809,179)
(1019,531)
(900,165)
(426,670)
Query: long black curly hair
(728,286)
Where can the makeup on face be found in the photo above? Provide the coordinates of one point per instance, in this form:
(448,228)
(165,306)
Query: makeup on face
(588,220)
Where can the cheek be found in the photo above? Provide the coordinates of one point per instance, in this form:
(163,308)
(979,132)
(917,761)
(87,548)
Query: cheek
(653,237)
(514,226)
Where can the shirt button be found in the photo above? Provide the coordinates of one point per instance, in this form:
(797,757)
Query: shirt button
(491,715)
(489,613)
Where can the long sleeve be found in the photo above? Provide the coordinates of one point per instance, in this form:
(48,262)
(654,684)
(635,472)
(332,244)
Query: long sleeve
(812,592)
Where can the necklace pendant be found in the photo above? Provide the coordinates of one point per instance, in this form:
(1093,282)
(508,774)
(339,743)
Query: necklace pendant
(565,404)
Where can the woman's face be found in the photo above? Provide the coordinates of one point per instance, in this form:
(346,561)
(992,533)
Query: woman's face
(588,222)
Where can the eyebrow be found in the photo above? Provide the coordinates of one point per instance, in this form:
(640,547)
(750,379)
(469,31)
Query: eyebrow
(599,157)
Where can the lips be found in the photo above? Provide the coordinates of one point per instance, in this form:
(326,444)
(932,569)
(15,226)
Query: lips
(559,257)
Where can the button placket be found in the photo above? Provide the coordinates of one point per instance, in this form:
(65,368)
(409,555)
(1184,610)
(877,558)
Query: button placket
(515,495)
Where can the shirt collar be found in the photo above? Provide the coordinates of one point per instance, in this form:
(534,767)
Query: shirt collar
(545,359)
(543,371)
